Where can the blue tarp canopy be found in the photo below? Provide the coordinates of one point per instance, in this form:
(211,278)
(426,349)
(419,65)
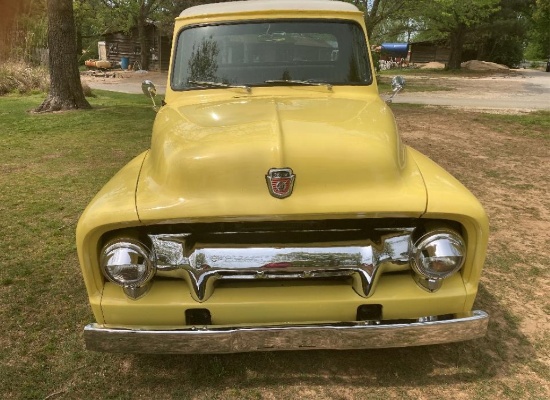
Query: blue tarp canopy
(395,49)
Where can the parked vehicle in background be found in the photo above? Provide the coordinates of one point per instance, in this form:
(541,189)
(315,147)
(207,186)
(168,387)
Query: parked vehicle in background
(277,207)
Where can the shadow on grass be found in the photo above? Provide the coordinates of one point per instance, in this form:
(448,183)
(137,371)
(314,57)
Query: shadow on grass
(502,350)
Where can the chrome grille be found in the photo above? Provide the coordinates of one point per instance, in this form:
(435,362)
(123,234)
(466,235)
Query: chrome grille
(202,258)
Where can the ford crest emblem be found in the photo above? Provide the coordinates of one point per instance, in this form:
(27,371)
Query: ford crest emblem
(280,182)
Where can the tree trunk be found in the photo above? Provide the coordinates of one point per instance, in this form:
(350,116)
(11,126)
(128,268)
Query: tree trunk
(65,86)
(146,7)
(457,44)
(142,32)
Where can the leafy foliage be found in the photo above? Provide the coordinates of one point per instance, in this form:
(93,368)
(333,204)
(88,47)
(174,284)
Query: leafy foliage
(97,17)
(445,15)
(386,17)
(455,20)
(489,30)
(501,38)
(539,43)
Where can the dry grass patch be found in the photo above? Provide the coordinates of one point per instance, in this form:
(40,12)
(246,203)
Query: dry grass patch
(504,160)
(21,78)
(18,77)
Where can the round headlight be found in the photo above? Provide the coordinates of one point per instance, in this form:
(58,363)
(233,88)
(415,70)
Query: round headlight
(438,254)
(127,262)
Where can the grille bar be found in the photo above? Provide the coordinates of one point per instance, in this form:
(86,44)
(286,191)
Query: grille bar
(229,257)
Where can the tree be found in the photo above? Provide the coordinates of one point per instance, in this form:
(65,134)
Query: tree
(89,25)
(454,19)
(65,86)
(96,17)
(146,8)
(129,14)
(378,12)
(502,38)
(539,43)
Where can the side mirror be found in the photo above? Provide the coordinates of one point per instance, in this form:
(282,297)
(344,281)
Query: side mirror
(397,85)
(148,88)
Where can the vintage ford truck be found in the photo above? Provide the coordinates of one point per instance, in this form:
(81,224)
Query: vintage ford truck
(277,207)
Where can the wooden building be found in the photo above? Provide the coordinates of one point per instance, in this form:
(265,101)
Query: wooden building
(428,51)
(122,44)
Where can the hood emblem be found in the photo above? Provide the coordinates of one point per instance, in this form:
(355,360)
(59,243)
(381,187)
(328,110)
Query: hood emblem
(280,182)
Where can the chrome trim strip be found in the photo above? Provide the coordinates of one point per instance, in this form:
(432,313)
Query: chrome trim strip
(201,264)
(342,336)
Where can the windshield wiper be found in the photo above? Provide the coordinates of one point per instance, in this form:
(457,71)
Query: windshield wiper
(299,82)
(219,84)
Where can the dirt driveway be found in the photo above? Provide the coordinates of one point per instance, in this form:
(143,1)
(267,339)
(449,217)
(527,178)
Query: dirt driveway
(124,81)
(520,90)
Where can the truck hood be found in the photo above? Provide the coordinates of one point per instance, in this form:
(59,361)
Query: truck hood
(209,161)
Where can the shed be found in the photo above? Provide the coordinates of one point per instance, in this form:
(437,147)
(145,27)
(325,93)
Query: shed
(126,44)
(428,51)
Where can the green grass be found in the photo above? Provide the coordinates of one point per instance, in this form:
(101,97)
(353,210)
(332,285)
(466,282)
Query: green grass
(51,165)
(534,124)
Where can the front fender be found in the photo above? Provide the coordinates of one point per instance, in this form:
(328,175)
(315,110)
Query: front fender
(113,207)
(449,199)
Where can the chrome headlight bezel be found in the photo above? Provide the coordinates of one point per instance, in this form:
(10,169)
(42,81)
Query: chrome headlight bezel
(446,247)
(114,263)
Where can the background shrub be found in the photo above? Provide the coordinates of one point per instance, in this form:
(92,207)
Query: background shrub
(18,77)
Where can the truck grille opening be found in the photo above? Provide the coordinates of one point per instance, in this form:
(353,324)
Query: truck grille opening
(358,250)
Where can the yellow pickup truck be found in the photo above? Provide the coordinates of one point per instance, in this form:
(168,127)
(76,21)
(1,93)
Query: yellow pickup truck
(278,208)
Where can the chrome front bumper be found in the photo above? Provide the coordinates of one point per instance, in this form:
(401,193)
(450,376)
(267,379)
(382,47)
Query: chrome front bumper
(341,336)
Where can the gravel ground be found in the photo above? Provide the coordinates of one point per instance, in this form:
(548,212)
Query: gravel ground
(125,81)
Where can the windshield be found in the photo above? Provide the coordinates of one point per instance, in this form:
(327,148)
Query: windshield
(271,53)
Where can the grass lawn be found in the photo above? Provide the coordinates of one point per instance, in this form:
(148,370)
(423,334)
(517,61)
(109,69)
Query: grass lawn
(52,165)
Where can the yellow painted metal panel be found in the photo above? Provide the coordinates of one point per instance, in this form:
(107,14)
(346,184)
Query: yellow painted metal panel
(95,304)
(209,155)
(210,160)
(112,208)
(165,304)
(449,199)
